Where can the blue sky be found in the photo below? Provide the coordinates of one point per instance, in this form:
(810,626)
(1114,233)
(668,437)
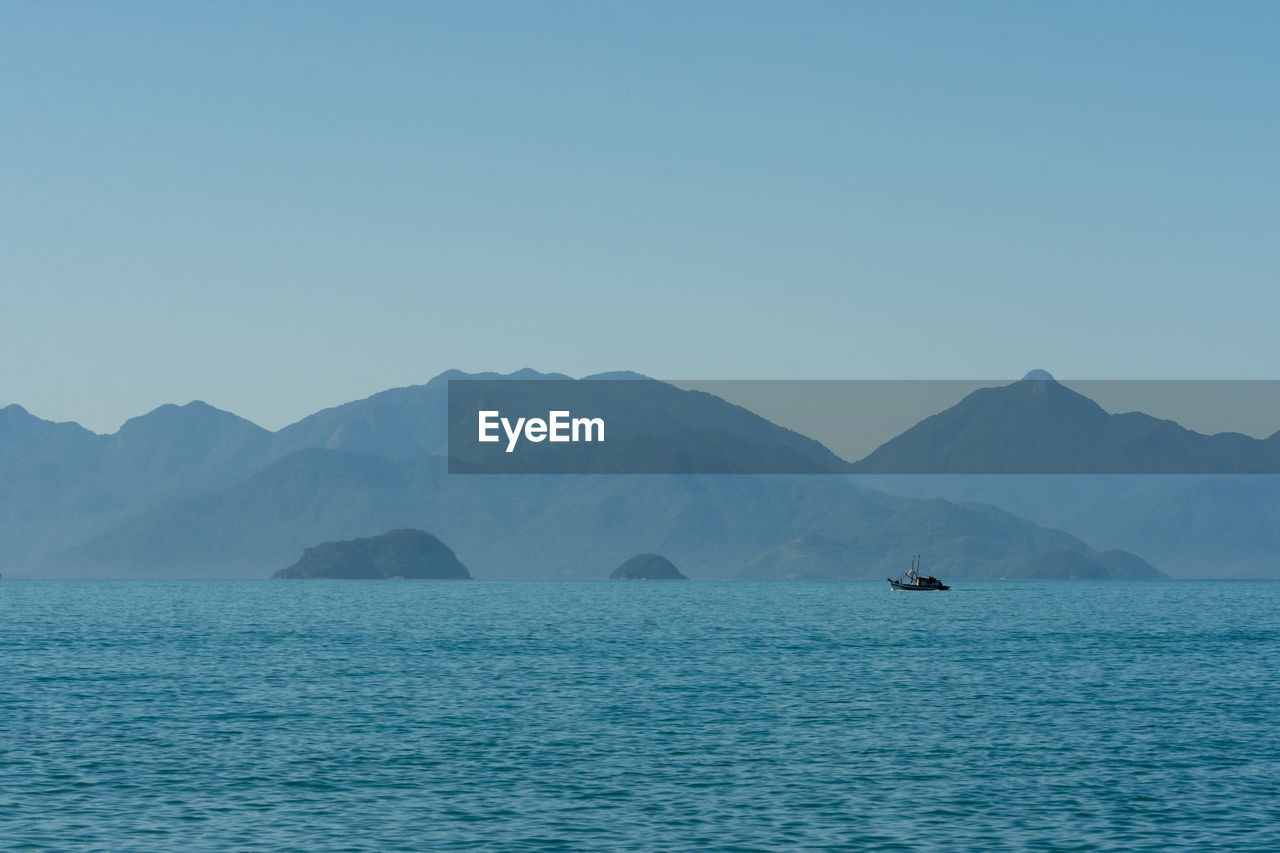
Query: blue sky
(276,207)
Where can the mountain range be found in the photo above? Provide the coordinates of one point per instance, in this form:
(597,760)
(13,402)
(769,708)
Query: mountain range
(1196,505)
(195,491)
(653,428)
(1040,426)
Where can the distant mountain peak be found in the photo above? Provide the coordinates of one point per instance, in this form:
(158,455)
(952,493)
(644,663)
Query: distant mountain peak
(524,373)
(171,415)
(1039,375)
(617,376)
(1044,427)
(13,413)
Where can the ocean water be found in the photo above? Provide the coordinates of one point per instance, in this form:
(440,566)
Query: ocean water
(380,716)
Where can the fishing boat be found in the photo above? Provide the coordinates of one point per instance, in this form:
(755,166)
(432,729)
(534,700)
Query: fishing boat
(911,579)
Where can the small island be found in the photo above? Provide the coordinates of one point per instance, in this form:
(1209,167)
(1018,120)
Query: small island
(398,554)
(647,567)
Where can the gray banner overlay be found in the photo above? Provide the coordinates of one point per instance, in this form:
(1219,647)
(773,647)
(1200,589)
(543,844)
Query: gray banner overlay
(1037,425)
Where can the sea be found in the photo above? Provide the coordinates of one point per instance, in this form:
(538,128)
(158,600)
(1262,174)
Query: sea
(638,716)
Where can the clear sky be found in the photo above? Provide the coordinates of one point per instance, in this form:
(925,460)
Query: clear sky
(280,206)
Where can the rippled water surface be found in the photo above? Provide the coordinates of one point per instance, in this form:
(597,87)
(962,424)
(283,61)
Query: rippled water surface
(328,716)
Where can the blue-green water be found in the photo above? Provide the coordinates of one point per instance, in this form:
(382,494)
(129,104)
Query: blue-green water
(327,716)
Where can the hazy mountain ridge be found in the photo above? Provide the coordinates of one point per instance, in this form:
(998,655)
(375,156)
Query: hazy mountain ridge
(654,428)
(61,483)
(1208,524)
(1190,526)
(955,540)
(398,422)
(192,490)
(1039,426)
(546,526)
(29,441)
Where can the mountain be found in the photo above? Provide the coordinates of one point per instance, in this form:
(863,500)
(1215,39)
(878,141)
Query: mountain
(62,485)
(549,526)
(168,449)
(512,527)
(404,554)
(955,541)
(182,448)
(1189,526)
(192,491)
(1075,565)
(1039,426)
(400,422)
(653,428)
(60,482)
(28,442)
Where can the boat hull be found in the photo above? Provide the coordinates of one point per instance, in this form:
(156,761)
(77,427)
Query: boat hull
(913,588)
